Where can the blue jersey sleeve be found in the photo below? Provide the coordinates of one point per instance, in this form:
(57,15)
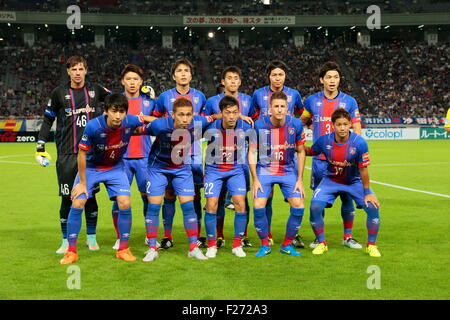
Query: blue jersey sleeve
(353,110)
(363,152)
(133,121)
(155,127)
(208,110)
(251,109)
(298,101)
(159,109)
(309,104)
(255,102)
(88,134)
(299,134)
(317,147)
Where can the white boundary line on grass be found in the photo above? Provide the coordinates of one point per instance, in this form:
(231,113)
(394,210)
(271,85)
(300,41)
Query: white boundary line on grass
(404,188)
(19,162)
(15,155)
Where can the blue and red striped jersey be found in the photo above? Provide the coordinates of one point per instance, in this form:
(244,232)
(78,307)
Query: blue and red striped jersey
(261,101)
(227,149)
(245,105)
(139,146)
(344,160)
(106,146)
(172,148)
(320,109)
(277,145)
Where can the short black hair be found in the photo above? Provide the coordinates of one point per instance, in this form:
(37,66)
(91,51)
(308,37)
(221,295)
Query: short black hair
(232,69)
(228,101)
(116,100)
(278,95)
(182,61)
(328,66)
(220,88)
(276,64)
(340,113)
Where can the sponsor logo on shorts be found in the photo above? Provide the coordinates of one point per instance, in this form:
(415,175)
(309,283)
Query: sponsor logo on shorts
(240,189)
(124,190)
(188,190)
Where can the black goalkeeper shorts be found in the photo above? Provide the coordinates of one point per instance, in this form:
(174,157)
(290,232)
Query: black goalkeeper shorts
(66,170)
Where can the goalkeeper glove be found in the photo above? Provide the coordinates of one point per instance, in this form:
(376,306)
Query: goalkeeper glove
(148,90)
(42,157)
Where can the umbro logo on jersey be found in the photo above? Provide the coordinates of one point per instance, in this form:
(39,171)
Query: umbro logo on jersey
(102,135)
(289,98)
(265,98)
(67,96)
(328,147)
(291,131)
(92,94)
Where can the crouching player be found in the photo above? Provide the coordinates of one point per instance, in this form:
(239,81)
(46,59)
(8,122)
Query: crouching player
(225,161)
(279,136)
(101,149)
(168,162)
(347,155)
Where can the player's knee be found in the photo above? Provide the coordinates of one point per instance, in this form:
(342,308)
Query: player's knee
(259,203)
(239,205)
(296,203)
(212,204)
(123,203)
(316,207)
(78,203)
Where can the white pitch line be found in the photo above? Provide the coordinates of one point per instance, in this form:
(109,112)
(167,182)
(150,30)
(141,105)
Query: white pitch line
(410,189)
(18,162)
(15,155)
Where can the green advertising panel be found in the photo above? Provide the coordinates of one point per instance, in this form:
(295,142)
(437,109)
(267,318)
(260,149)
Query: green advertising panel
(433,133)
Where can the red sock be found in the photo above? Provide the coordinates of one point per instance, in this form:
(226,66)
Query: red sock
(347,235)
(116,227)
(212,242)
(72,249)
(192,246)
(287,242)
(269,235)
(236,242)
(168,235)
(153,247)
(265,242)
(370,243)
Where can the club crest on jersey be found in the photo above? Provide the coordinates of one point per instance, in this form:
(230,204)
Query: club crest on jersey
(196,100)
(291,131)
(342,105)
(92,94)
(328,147)
(102,135)
(289,98)
(127,130)
(352,150)
(67,96)
(146,103)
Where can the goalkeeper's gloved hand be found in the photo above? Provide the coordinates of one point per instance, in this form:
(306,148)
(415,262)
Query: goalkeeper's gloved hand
(42,157)
(148,90)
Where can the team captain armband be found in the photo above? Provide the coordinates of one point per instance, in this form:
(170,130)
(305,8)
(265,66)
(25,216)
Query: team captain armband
(306,114)
(301,141)
(84,145)
(365,160)
(357,117)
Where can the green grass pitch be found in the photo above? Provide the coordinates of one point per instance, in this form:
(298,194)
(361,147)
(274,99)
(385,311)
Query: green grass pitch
(414,241)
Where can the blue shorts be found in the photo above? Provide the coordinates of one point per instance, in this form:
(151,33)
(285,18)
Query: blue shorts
(197,174)
(138,168)
(179,179)
(217,181)
(319,168)
(115,181)
(328,190)
(286,182)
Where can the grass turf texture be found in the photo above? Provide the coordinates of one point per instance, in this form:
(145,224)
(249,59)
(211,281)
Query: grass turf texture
(413,239)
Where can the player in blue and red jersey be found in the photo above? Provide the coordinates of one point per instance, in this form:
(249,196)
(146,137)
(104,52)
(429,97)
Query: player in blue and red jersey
(318,109)
(279,138)
(231,80)
(224,168)
(103,144)
(181,72)
(135,159)
(276,72)
(169,163)
(347,158)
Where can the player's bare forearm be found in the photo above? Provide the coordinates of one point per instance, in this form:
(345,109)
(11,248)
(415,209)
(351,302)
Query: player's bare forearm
(301,159)
(81,161)
(357,128)
(364,173)
(148,119)
(217,116)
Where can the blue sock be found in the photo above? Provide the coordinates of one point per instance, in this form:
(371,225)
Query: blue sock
(115,216)
(73,227)
(293,224)
(372,223)
(348,214)
(64,210)
(152,223)
(261,225)
(240,224)
(168,213)
(190,221)
(269,211)
(210,225)
(316,219)
(91,213)
(220,218)
(145,202)
(124,224)
(198,211)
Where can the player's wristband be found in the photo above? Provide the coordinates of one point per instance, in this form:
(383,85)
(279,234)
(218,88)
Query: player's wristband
(367,191)
(40,146)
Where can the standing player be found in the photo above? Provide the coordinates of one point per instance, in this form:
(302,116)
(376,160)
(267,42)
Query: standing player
(347,158)
(276,72)
(168,163)
(318,109)
(225,166)
(136,157)
(101,149)
(181,72)
(279,137)
(447,121)
(72,105)
(231,80)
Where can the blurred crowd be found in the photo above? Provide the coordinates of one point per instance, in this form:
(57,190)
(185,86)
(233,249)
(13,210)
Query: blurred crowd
(227,7)
(388,80)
